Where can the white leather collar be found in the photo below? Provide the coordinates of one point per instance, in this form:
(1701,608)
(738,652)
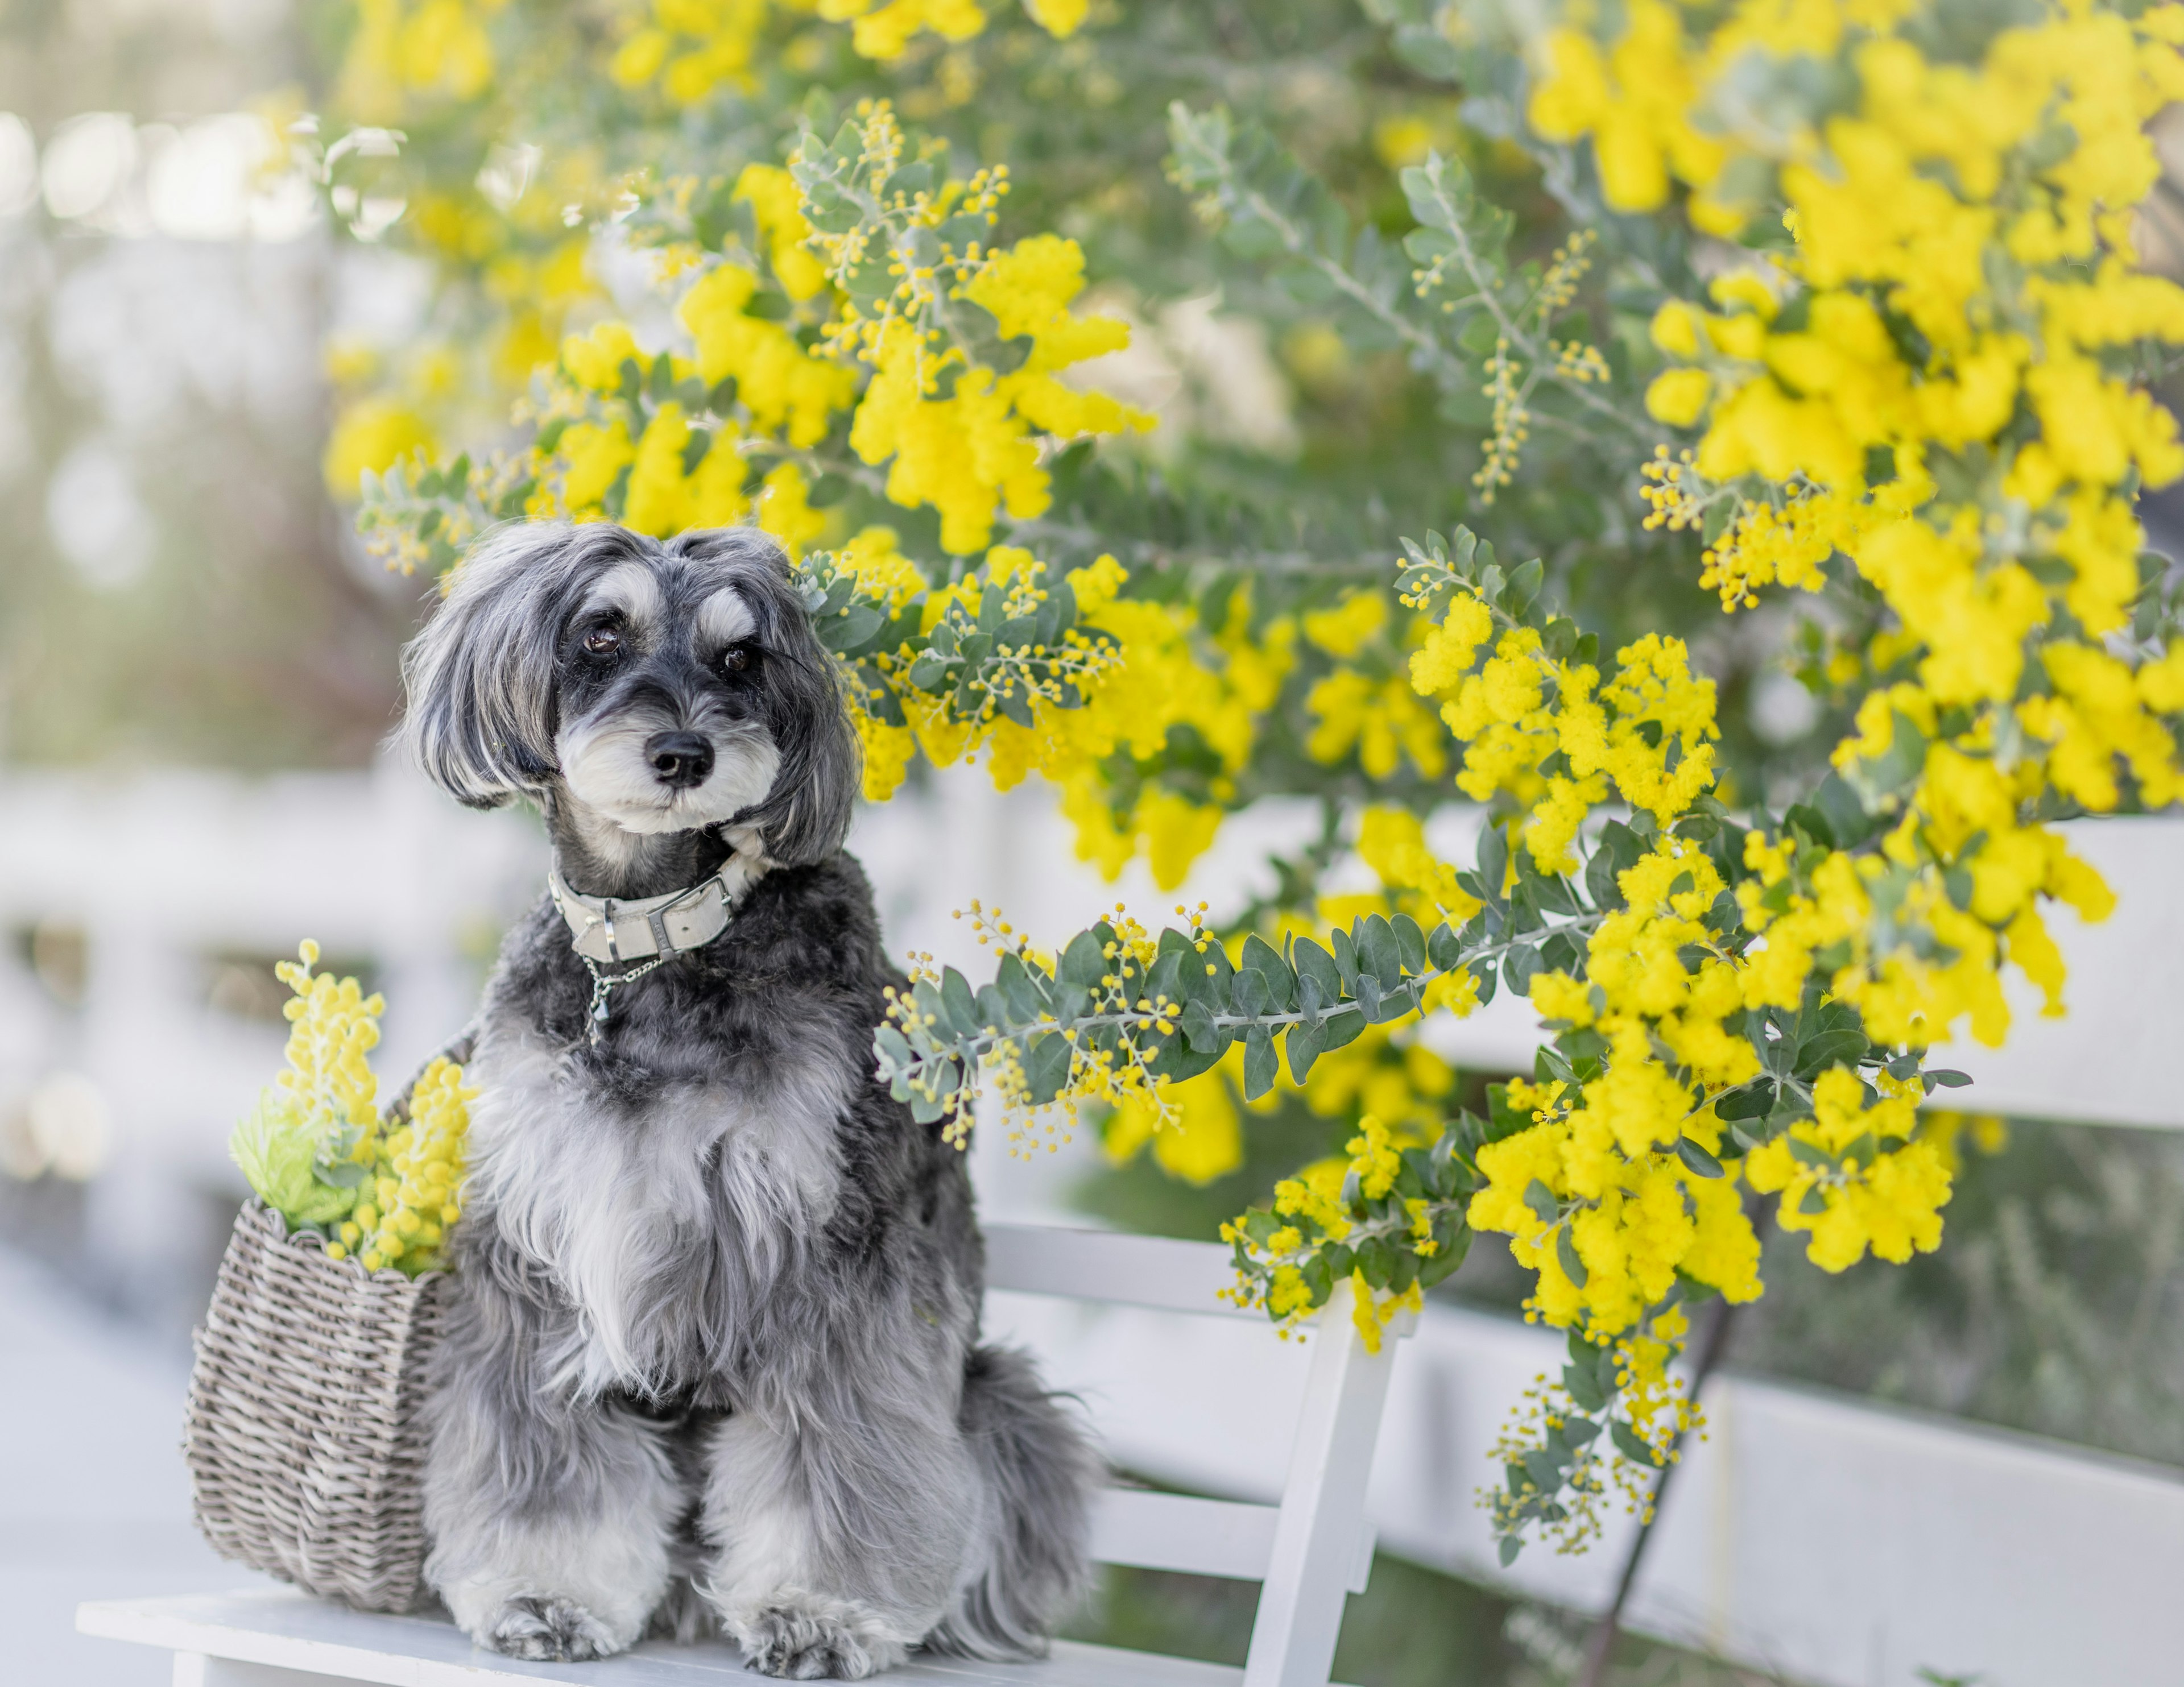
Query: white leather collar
(610,929)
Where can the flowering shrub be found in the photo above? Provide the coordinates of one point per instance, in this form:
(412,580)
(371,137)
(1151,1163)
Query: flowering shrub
(317,1149)
(1826,317)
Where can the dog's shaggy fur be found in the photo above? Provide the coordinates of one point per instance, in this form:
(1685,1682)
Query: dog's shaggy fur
(713,1357)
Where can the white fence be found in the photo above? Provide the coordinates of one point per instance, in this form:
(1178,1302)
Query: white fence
(1840,1543)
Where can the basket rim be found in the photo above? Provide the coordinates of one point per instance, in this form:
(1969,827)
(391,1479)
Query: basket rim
(306,1240)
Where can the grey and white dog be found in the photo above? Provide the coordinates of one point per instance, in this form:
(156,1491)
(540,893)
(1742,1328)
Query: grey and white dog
(712,1360)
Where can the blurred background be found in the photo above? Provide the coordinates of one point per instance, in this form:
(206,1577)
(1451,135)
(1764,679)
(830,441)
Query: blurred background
(196,670)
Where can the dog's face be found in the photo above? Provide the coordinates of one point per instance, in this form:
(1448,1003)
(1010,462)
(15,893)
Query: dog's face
(660,688)
(665,697)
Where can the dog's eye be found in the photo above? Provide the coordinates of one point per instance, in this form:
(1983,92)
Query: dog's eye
(736,660)
(603,641)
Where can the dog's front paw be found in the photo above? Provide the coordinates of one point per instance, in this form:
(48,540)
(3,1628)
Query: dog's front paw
(805,1639)
(550,1631)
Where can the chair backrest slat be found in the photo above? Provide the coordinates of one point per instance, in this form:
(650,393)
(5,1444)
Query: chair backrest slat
(1101,1265)
(1313,1550)
(1178,1532)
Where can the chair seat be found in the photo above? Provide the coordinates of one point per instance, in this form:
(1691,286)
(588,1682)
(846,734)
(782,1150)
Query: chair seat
(284,1630)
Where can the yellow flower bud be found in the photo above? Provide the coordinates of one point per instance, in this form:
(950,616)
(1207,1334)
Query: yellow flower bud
(1679,330)
(1679,396)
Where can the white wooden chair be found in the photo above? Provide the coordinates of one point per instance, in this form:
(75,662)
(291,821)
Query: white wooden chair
(1308,1553)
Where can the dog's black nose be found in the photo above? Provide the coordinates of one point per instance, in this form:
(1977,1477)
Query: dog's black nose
(681,758)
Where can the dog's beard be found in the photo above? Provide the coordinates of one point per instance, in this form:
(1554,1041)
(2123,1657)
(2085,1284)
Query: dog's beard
(605,768)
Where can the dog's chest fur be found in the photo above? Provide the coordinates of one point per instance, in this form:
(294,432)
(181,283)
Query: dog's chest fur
(651,1217)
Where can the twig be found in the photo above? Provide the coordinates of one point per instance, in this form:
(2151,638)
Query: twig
(1600,1649)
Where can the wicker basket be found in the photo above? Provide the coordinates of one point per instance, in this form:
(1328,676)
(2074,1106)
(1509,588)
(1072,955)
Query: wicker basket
(305,1452)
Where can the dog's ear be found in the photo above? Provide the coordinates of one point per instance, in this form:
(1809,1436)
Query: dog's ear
(479,679)
(806,813)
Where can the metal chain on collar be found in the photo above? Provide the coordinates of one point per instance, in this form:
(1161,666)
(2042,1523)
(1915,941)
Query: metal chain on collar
(604,983)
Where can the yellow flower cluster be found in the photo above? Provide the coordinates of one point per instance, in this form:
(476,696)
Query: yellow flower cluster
(974,452)
(680,472)
(1156,671)
(958,433)
(1315,1208)
(1853,1177)
(1378,719)
(402,49)
(1543,729)
(333,1025)
(1963,263)
(1625,1185)
(691,48)
(1392,843)
(1985,208)
(417,1194)
(954,435)
(316,1148)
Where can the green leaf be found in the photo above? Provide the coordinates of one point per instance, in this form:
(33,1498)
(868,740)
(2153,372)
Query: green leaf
(1754,1102)
(1263,959)
(1541,1199)
(1584,1387)
(1046,1065)
(1303,1044)
(1494,861)
(1815,825)
(1846,815)
(1316,964)
(962,1007)
(1342,1029)
(1318,1278)
(1377,951)
(1524,582)
(1815,1055)
(1566,1254)
(1627,1443)
(1427,51)
(1019,989)
(1083,963)
(1345,958)
(1410,941)
(276,1143)
(1261,1065)
(1696,1158)
(851,629)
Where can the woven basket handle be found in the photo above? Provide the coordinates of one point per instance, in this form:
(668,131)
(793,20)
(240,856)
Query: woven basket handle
(460,1051)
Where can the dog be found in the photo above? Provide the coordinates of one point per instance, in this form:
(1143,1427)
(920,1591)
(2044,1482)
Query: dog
(711,1358)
